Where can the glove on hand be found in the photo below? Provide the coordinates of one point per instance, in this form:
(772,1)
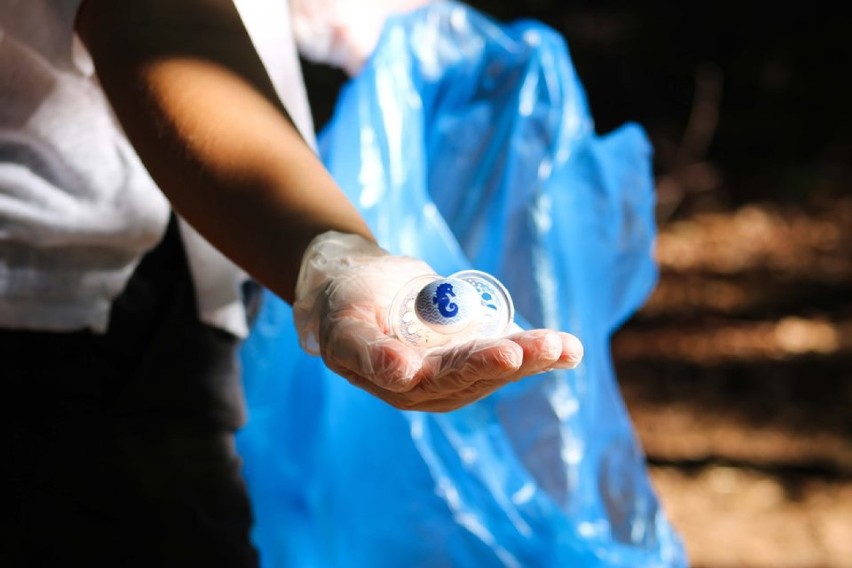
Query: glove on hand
(345,288)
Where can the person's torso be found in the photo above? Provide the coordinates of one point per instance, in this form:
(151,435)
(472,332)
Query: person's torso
(77,207)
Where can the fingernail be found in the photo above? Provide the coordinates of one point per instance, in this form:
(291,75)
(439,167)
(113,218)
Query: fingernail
(552,345)
(573,353)
(574,347)
(513,355)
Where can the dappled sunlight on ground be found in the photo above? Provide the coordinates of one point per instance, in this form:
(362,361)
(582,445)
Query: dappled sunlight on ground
(738,376)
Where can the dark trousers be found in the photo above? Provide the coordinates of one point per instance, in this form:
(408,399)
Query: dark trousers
(118,449)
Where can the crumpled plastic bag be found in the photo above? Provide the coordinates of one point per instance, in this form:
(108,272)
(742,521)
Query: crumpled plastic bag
(469,143)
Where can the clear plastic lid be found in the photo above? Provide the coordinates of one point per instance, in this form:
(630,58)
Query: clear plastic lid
(433,310)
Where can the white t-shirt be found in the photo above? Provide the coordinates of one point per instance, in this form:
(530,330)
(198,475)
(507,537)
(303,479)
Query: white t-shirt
(77,207)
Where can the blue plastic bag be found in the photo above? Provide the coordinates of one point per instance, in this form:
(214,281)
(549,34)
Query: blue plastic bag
(469,143)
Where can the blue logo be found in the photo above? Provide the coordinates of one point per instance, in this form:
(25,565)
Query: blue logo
(486,296)
(443,299)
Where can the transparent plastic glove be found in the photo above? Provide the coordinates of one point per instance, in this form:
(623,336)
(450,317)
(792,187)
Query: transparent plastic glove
(342,33)
(345,288)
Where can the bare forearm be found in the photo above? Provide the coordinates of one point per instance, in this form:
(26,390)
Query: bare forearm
(195,101)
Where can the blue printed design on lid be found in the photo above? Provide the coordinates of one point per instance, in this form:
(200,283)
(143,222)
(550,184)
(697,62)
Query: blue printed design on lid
(443,298)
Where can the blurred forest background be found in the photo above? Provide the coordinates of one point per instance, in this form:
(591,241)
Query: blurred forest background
(738,371)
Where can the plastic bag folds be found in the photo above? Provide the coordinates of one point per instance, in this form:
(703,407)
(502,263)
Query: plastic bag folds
(469,143)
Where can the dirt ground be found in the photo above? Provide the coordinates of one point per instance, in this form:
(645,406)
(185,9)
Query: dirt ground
(738,376)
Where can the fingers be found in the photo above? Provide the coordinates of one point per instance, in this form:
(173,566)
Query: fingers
(572,352)
(446,378)
(448,370)
(412,379)
(457,376)
(563,350)
(543,350)
(479,358)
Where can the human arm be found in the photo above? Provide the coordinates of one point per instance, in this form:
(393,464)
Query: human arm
(195,101)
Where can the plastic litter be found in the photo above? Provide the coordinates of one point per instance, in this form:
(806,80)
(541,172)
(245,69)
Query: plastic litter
(469,143)
(433,311)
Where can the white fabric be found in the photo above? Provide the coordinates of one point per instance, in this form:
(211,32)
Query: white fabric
(268,23)
(77,208)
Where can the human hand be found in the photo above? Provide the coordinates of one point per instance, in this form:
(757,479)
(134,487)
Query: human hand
(345,289)
(343,33)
